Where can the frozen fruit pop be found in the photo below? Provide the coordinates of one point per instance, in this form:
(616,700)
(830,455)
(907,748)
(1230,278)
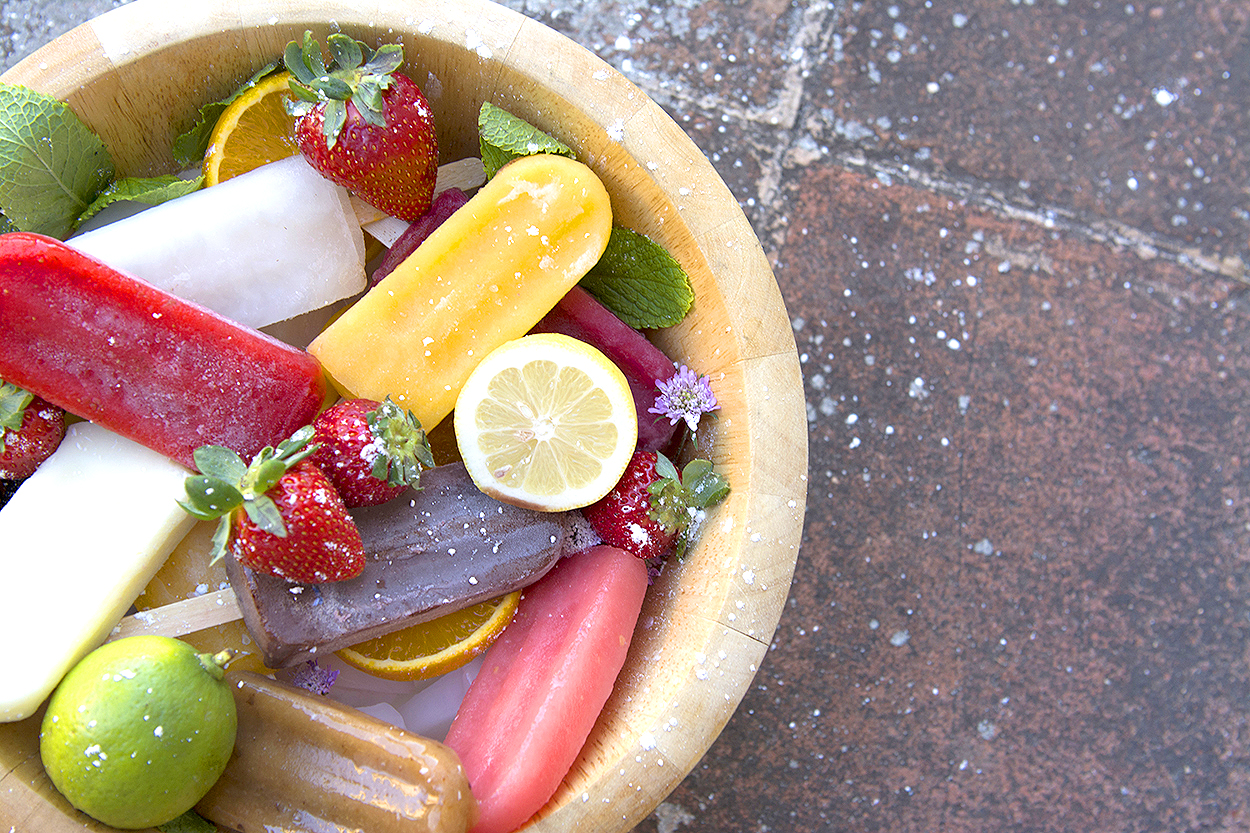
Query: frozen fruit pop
(531,707)
(259,248)
(162,371)
(483,277)
(305,762)
(427,553)
(77,553)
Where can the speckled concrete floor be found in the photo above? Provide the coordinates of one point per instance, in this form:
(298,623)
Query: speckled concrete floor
(1013,237)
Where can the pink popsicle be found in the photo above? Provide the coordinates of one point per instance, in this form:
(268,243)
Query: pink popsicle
(160,370)
(543,683)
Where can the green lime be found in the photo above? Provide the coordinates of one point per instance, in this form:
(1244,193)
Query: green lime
(139,730)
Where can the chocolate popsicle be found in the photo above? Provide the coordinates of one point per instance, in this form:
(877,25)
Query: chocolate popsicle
(427,553)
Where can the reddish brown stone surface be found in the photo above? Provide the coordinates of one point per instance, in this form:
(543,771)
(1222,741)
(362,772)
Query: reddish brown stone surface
(1019,602)
(1013,237)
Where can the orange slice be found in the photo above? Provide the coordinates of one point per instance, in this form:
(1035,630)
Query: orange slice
(435,647)
(254,129)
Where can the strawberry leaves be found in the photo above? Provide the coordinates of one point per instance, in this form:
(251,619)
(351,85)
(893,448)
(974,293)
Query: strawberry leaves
(407,451)
(358,74)
(30,430)
(677,498)
(226,483)
(13,402)
(654,509)
(371,451)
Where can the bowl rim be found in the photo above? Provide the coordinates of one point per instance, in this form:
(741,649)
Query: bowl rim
(753,556)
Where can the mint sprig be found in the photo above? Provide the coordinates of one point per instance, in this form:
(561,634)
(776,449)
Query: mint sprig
(55,173)
(152,190)
(190,147)
(504,137)
(51,165)
(640,281)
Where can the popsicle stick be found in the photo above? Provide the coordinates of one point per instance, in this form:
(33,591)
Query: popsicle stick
(465,174)
(181,618)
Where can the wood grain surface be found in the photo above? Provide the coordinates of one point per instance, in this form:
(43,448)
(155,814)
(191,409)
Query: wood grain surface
(138,74)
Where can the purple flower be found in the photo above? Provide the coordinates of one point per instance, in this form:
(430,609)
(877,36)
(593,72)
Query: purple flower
(312,677)
(687,395)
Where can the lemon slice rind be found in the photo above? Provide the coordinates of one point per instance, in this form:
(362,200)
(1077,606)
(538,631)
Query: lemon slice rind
(546,422)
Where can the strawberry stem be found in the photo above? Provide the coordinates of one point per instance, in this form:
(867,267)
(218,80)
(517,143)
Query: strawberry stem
(357,74)
(405,447)
(226,484)
(13,402)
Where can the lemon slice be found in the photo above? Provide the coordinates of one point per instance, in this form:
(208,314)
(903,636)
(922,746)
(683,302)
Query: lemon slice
(546,422)
(436,647)
(253,130)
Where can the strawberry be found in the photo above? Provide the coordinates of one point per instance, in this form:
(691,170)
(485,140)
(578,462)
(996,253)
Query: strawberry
(652,509)
(363,125)
(8,488)
(30,430)
(280,515)
(371,451)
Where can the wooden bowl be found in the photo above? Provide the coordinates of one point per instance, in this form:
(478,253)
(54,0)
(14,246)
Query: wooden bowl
(138,74)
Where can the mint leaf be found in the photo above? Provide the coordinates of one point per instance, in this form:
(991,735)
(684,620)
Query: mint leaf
(504,137)
(640,282)
(190,147)
(152,190)
(51,165)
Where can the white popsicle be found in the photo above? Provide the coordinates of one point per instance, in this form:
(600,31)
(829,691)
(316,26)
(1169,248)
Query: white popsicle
(82,538)
(259,248)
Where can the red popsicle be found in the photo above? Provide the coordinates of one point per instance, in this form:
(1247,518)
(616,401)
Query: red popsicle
(530,709)
(152,367)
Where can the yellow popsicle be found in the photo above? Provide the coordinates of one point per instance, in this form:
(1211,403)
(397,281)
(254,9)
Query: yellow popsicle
(485,276)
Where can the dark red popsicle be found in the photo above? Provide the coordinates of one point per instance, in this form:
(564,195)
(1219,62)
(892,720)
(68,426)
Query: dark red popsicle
(582,317)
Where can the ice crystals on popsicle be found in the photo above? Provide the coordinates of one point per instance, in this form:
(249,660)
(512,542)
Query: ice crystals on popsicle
(434,551)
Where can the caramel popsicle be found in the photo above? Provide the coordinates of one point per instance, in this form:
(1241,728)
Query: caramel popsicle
(428,553)
(304,762)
